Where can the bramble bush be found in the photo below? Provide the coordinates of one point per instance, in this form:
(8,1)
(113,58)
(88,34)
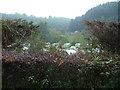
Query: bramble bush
(47,70)
(106,34)
(17,32)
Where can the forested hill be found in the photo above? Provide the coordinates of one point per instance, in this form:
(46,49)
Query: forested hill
(105,12)
(58,23)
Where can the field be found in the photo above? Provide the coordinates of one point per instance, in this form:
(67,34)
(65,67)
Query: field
(75,38)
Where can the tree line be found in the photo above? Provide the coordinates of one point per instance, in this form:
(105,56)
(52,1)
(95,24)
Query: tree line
(59,23)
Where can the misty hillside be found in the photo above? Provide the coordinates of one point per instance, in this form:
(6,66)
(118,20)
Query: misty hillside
(59,23)
(105,12)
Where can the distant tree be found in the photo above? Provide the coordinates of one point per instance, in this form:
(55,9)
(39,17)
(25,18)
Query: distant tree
(43,29)
(55,36)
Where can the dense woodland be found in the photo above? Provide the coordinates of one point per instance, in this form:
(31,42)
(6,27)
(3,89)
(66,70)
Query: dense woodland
(34,55)
(108,12)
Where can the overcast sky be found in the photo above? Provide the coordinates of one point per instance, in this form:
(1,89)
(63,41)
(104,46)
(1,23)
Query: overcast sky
(45,8)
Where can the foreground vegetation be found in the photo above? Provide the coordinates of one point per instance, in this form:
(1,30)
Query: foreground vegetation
(35,68)
(46,70)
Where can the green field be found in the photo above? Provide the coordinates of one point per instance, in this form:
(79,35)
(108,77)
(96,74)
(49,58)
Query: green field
(75,38)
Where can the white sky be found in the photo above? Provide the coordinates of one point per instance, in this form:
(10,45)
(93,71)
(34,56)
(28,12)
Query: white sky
(45,8)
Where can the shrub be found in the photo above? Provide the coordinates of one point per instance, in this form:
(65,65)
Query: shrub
(105,33)
(17,32)
(43,70)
